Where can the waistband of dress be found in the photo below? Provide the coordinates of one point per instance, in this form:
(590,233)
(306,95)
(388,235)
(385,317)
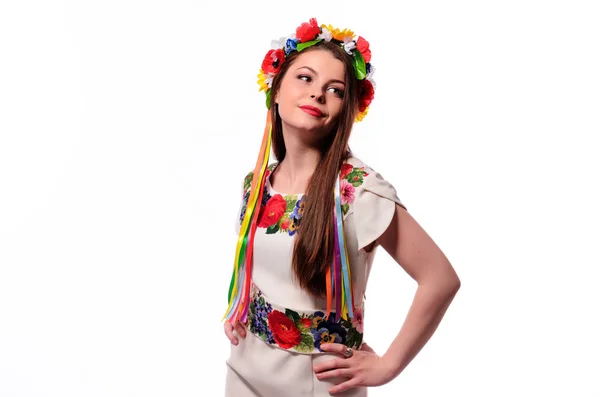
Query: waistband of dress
(300,331)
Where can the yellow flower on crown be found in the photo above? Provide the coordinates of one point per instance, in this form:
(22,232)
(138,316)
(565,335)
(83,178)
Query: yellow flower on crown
(262,81)
(361,115)
(338,34)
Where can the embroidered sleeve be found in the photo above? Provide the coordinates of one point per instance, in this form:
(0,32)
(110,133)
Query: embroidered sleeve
(374,207)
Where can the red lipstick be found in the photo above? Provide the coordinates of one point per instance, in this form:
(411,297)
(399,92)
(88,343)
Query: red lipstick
(313,111)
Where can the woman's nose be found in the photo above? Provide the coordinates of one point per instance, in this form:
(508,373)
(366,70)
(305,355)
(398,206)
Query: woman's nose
(320,99)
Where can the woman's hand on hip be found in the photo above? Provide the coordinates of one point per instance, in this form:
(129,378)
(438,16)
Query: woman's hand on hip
(238,328)
(363,368)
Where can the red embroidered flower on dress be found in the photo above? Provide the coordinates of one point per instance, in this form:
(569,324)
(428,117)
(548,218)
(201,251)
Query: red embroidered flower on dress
(285,332)
(273,60)
(272,212)
(308,31)
(346,169)
(285,224)
(306,322)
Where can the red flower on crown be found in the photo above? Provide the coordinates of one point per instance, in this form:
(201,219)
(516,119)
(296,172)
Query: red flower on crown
(307,31)
(273,60)
(363,46)
(366,92)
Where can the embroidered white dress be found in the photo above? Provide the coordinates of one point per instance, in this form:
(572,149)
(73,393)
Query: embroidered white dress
(285,327)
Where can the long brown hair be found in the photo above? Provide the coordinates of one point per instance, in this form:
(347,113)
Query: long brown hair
(314,243)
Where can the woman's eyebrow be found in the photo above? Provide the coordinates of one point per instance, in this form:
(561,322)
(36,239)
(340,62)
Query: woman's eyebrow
(315,72)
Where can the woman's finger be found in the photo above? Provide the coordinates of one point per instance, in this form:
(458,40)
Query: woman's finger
(229,333)
(240,329)
(349,384)
(335,348)
(334,373)
(331,364)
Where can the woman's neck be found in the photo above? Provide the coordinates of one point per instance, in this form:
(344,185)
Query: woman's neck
(295,170)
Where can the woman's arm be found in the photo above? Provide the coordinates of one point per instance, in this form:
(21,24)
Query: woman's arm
(414,250)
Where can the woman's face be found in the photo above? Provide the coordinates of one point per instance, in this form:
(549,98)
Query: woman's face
(311,93)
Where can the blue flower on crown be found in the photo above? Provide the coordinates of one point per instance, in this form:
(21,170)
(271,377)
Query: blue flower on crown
(290,45)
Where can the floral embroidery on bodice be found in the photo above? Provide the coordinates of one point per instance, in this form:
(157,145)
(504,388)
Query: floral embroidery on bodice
(281,213)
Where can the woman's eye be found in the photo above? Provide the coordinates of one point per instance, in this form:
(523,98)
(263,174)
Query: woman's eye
(337,91)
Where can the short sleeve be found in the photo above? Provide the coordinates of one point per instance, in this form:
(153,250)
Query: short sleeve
(374,206)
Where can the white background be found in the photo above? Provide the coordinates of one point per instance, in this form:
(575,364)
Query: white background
(128,126)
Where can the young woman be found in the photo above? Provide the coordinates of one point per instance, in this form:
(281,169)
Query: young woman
(308,228)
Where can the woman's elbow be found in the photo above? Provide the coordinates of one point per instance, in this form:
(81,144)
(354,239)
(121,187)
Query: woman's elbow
(447,281)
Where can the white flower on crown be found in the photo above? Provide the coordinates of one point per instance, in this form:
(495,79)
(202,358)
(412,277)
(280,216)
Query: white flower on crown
(279,43)
(369,75)
(349,45)
(325,35)
(269,79)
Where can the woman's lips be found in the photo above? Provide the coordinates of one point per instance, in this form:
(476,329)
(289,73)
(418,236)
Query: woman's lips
(312,111)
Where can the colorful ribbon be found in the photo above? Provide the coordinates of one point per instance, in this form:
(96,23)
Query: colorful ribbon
(239,286)
(340,285)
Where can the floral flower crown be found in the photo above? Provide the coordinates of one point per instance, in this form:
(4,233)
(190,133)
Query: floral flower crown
(310,33)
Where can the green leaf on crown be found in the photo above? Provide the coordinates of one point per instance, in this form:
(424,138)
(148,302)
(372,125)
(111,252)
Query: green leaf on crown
(360,67)
(268,98)
(302,46)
